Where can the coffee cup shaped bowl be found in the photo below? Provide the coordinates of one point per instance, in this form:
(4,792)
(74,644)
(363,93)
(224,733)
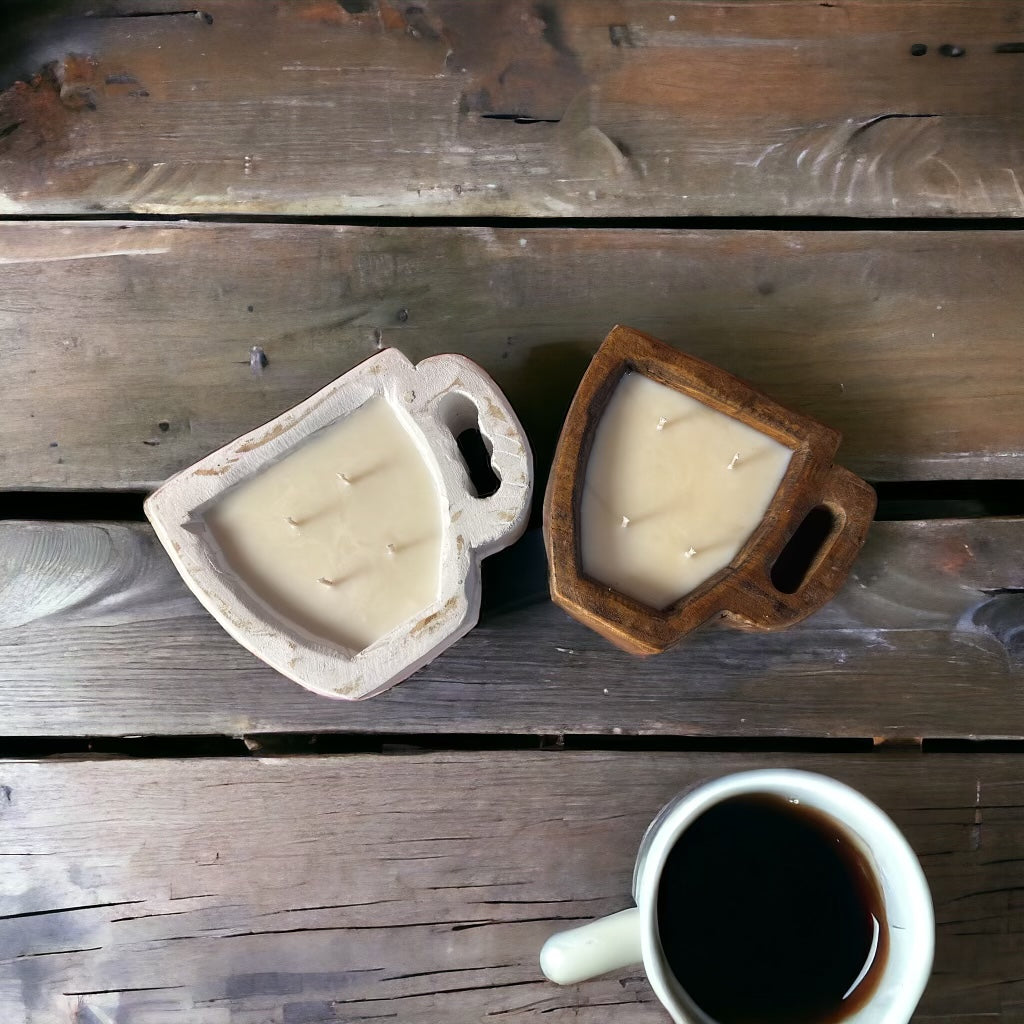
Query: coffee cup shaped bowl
(429,404)
(746,591)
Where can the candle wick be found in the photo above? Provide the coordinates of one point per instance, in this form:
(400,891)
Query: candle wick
(625,521)
(391,549)
(690,552)
(351,479)
(735,459)
(293,523)
(328,583)
(661,423)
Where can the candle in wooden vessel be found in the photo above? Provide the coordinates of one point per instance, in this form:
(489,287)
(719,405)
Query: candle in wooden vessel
(342,536)
(673,490)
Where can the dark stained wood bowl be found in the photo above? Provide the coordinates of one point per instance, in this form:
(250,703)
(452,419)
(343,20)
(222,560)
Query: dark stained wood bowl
(759,589)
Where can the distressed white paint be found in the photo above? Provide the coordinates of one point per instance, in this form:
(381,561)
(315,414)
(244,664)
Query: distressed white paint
(436,399)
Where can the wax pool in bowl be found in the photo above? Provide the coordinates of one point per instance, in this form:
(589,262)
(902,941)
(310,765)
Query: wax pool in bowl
(341,537)
(673,490)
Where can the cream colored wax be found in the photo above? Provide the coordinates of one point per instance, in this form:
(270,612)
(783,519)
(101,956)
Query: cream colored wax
(343,536)
(673,490)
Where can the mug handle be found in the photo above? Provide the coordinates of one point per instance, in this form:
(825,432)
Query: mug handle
(486,521)
(596,948)
(756,604)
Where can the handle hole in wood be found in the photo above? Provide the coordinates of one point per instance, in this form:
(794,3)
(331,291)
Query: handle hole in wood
(461,418)
(798,557)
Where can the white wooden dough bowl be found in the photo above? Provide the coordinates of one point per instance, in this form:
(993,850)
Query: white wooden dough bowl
(434,401)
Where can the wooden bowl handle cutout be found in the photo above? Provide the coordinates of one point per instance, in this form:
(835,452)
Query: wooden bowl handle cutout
(813,565)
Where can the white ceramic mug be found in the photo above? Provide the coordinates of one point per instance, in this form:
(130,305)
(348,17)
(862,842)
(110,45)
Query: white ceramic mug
(631,936)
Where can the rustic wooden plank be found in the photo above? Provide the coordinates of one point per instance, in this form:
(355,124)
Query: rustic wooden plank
(125,347)
(309,890)
(98,636)
(507,107)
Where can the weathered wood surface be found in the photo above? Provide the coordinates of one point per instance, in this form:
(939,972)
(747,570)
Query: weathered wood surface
(126,347)
(99,636)
(631,108)
(313,890)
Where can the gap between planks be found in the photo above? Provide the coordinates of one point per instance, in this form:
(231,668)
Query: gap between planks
(85,749)
(811,224)
(897,501)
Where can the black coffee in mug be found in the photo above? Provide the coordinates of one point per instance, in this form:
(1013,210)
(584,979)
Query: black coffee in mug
(768,912)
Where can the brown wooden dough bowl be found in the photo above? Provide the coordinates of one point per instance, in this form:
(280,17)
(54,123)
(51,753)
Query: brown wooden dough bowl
(757,590)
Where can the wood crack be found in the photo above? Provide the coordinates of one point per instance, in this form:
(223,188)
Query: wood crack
(108,991)
(885,117)
(453,970)
(467,926)
(988,892)
(146,917)
(67,910)
(203,16)
(327,906)
(534,903)
(348,928)
(521,118)
(56,952)
(617,1002)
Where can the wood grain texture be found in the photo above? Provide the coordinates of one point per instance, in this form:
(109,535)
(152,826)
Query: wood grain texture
(99,636)
(316,890)
(498,107)
(742,593)
(126,348)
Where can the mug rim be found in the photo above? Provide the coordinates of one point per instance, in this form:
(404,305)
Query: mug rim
(840,802)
